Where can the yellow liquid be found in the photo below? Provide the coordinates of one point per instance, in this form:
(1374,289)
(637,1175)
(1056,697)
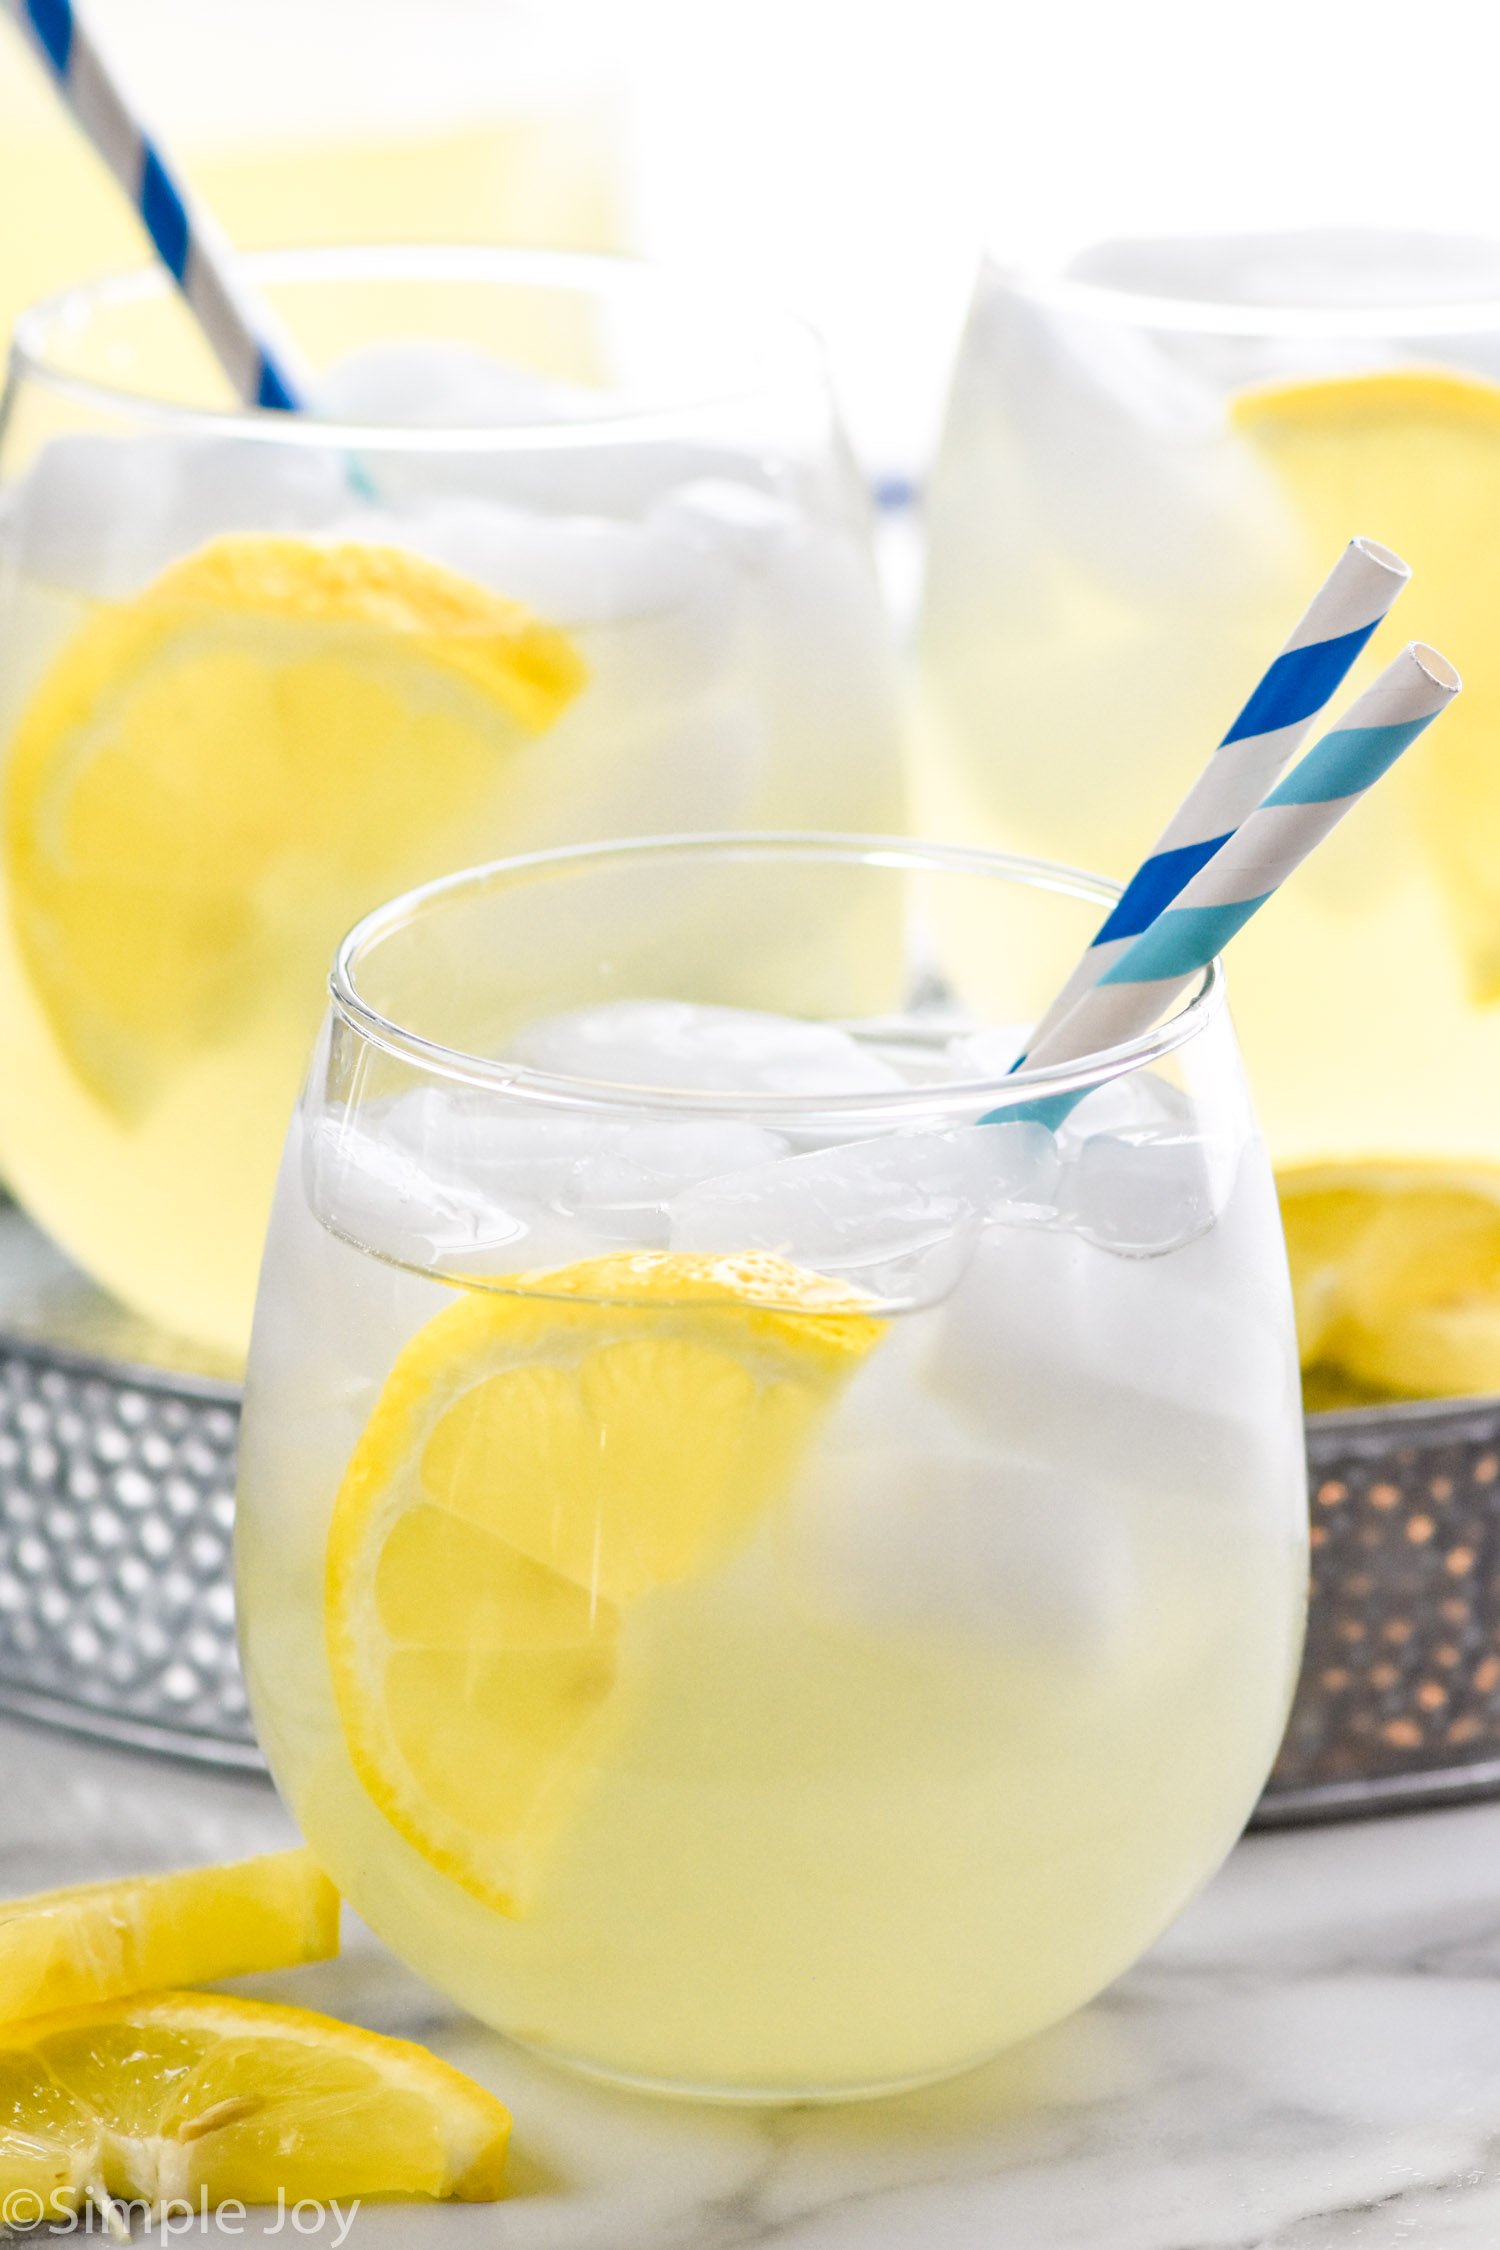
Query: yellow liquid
(696,714)
(1351,996)
(1074,683)
(853,1822)
(552,180)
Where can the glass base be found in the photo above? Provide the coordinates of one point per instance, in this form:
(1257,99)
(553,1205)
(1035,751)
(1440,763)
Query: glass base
(749,2097)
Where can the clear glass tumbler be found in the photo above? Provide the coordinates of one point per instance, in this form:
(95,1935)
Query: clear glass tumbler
(570,550)
(753,1580)
(1150,463)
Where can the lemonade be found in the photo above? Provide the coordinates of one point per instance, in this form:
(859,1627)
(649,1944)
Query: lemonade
(750,1580)
(1146,470)
(253,679)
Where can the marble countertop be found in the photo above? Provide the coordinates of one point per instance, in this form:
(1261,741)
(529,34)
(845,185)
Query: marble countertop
(1310,2060)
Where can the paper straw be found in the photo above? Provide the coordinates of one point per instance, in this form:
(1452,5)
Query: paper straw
(1256,861)
(1272,727)
(239,331)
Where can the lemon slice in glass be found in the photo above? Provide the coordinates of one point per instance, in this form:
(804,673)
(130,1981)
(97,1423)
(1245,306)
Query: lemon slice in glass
(539,1460)
(1396,1275)
(180,2097)
(1412,456)
(216,777)
(100,1941)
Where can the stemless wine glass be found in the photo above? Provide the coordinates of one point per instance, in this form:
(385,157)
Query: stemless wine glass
(753,1580)
(570,551)
(1150,462)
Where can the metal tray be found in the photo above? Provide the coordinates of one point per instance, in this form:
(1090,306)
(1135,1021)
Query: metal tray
(117,1604)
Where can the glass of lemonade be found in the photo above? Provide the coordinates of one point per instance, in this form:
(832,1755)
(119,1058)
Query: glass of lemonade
(570,550)
(1149,465)
(752,1580)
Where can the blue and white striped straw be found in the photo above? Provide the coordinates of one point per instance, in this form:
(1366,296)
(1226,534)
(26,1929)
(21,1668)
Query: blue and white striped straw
(239,331)
(1272,727)
(1220,899)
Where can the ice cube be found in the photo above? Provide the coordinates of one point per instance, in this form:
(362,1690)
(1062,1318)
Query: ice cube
(1178,1368)
(720,514)
(907,1516)
(570,570)
(415,383)
(1063,408)
(1142,1173)
(1137,1100)
(899,1214)
(575,570)
(430,1180)
(624,1189)
(989,1053)
(372,1188)
(964,1542)
(468,1134)
(681,1045)
(462,1181)
(1140,1194)
(1022,1171)
(663,736)
(105,515)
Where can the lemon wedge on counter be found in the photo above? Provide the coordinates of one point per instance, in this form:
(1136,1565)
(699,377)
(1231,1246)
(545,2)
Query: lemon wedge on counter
(101,1941)
(218,776)
(180,2098)
(540,1459)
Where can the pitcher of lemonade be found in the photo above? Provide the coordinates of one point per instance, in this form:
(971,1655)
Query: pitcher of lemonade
(1145,459)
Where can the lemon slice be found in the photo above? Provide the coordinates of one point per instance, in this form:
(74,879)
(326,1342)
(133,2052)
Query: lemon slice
(1412,455)
(177,2098)
(538,1461)
(216,777)
(1396,1275)
(100,1941)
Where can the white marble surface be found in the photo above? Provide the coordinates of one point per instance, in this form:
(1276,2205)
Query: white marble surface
(1311,2060)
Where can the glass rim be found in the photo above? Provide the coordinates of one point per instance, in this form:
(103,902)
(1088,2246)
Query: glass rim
(582,271)
(555,1090)
(1123,304)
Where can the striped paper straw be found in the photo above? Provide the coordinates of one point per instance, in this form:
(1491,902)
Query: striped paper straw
(1339,620)
(1255,862)
(189,246)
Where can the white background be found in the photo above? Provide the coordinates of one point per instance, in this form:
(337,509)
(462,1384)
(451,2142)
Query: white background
(852,157)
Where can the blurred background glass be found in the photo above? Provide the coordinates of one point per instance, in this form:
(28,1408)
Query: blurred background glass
(1147,465)
(601,568)
(306,121)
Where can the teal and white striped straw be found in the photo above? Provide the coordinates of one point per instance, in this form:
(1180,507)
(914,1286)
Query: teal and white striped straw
(1251,867)
(240,331)
(1275,722)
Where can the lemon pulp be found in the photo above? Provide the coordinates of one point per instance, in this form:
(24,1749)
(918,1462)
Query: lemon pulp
(178,2097)
(100,1941)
